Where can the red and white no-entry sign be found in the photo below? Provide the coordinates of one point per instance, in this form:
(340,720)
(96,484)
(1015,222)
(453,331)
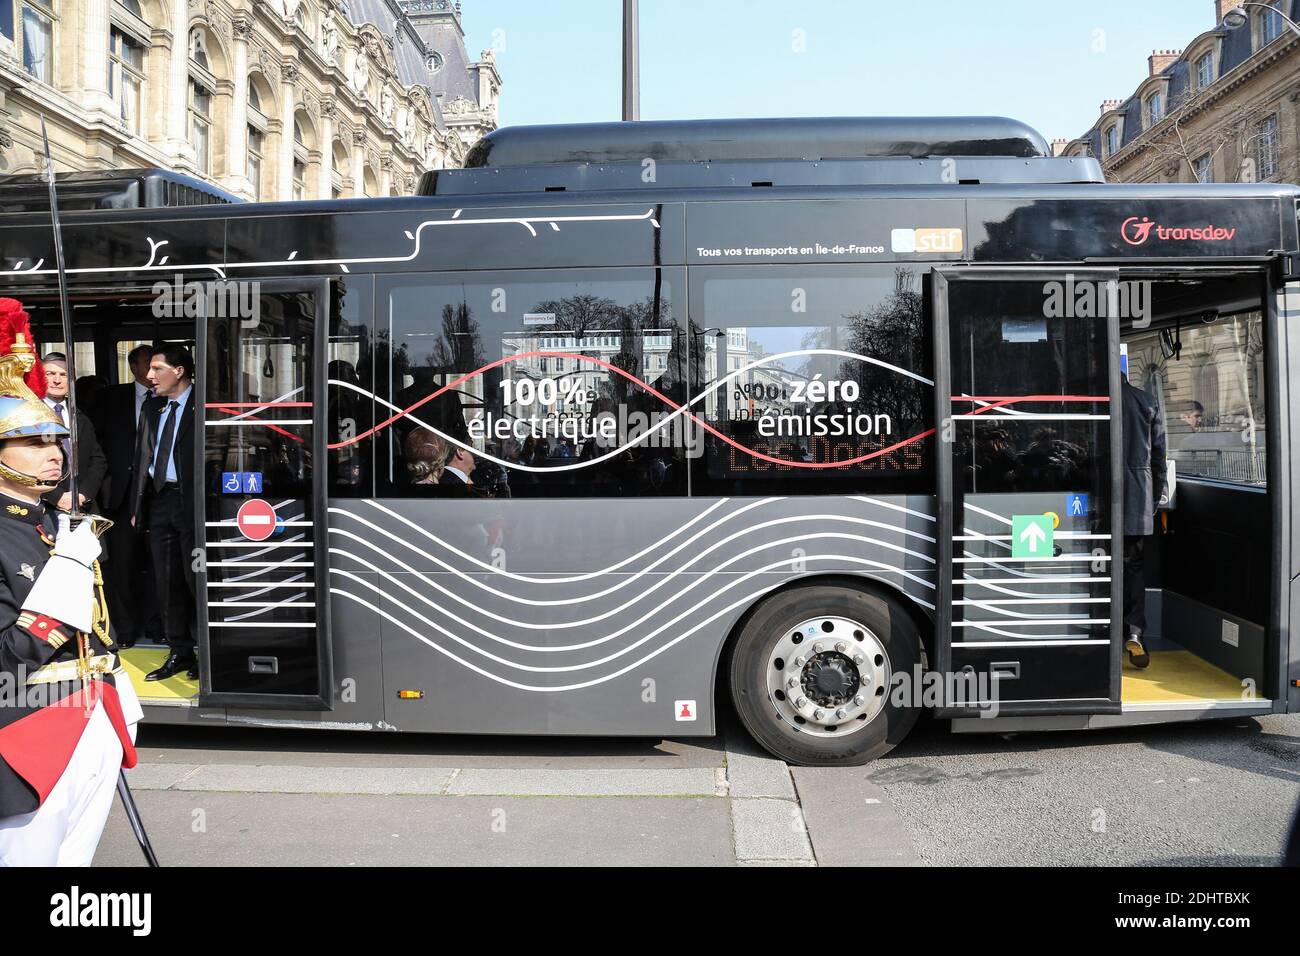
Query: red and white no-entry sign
(256,519)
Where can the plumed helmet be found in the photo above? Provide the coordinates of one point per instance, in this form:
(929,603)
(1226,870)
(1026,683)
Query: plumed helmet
(22,380)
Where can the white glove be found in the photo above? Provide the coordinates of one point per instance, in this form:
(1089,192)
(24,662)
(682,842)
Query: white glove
(81,545)
(65,588)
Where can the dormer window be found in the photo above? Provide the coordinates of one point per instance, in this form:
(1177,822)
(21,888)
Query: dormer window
(1270,26)
(1205,70)
(1155,108)
(1112,139)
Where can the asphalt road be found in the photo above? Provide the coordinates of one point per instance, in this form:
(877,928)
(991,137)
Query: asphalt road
(1217,793)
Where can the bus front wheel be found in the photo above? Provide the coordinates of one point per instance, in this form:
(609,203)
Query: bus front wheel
(812,675)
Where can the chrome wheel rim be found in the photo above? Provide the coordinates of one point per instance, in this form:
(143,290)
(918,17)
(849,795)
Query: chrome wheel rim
(828,676)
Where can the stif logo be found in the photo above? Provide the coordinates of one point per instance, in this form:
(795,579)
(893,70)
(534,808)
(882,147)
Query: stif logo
(1136,230)
(925,240)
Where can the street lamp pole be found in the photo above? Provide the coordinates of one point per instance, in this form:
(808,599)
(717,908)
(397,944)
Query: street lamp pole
(631,62)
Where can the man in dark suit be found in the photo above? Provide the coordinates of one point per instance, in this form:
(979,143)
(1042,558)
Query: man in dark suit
(1146,486)
(455,479)
(127,572)
(164,501)
(91,464)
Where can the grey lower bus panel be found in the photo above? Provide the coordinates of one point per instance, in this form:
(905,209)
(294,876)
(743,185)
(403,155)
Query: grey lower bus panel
(585,616)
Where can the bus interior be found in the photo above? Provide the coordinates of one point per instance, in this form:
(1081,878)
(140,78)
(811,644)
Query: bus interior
(1200,352)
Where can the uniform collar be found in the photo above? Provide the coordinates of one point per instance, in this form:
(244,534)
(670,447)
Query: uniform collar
(24,511)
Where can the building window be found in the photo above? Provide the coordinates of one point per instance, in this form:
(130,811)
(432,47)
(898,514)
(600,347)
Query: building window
(199,49)
(299,162)
(1202,169)
(38,41)
(1205,70)
(200,103)
(1266,147)
(126,76)
(1155,109)
(201,124)
(7,19)
(253,170)
(1112,140)
(1270,26)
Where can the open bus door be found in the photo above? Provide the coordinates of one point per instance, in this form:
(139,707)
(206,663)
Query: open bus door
(1029,593)
(262,581)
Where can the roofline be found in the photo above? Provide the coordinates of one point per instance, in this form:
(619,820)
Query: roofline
(379,204)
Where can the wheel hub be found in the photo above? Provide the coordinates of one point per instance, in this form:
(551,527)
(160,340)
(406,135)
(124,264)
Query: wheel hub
(830,679)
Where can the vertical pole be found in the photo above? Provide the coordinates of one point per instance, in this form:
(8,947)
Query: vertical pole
(631,62)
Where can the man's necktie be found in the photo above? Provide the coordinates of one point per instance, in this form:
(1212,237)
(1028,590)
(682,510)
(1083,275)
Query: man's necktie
(165,447)
(63,442)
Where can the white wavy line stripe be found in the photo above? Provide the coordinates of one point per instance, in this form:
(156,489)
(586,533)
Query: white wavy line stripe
(747,599)
(629,579)
(662,423)
(525,221)
(576,578)
(647,615)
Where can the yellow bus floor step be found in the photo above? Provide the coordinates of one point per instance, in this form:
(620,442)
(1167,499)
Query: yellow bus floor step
(139,661)
(1177,675)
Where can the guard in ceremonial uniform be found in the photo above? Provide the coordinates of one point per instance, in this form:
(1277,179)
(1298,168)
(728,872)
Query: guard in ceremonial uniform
(67,708)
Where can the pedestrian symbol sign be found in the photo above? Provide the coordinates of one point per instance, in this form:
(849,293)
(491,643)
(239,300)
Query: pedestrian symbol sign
(1031,536)
(1076,506)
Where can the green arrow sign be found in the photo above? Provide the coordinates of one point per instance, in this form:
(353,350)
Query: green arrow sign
(1031,536)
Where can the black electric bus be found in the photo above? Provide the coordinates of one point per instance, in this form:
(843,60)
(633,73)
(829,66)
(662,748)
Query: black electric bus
(624,420)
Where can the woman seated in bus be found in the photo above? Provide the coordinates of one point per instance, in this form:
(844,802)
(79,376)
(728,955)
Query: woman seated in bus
(448,470)
(426,456)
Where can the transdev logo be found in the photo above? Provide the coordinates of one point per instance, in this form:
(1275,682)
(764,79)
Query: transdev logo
(1136,230)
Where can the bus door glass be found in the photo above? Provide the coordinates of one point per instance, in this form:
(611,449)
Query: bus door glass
(1029,597)
(265,619)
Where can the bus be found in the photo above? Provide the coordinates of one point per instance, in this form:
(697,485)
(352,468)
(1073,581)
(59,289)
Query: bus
(625,424)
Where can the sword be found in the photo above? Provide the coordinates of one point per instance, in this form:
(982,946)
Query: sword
(99,523)
(133,816)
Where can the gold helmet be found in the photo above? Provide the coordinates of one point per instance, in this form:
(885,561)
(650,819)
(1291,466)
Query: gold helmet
(22,385)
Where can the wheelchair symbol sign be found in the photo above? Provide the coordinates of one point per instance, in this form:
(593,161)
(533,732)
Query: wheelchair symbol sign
(241,482)
(1076,506)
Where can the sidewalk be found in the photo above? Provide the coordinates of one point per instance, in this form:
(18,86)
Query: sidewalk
(668,803)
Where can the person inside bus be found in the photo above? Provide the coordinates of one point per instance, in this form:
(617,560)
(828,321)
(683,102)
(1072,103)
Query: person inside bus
(426,456)
(91,464)
(128,574)
(89,389)
(997,461)
(456,473)
(1193,416)
(164,501)
(1145,488)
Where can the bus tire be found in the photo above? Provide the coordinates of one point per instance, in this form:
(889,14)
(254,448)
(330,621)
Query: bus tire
(810,675)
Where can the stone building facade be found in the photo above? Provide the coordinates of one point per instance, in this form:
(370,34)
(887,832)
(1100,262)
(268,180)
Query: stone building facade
(1225,108)
(268,99)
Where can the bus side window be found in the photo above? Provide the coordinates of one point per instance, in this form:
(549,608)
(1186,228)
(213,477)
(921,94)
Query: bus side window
(814,380)
(545,384)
